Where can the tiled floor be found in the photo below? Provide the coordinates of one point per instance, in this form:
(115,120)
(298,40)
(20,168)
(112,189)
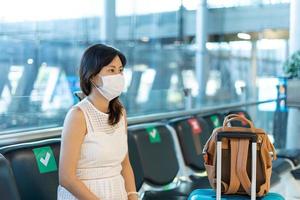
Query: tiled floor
(288,187)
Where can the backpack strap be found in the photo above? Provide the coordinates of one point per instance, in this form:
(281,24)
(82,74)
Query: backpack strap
(265,154)
(234,184)
(242,165)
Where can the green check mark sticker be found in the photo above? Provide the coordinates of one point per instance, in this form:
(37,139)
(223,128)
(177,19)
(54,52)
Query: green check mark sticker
(154,136)
(215,120)
(45,159)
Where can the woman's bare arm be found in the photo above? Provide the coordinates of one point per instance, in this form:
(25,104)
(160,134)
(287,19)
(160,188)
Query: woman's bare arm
(128,174)
(72,138)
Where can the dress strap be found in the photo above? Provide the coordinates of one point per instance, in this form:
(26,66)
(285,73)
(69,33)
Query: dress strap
(83,107)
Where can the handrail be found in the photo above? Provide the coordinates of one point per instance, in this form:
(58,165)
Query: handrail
(199,111)
(11,138)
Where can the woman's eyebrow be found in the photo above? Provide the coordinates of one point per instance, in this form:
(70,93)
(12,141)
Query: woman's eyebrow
(121,67)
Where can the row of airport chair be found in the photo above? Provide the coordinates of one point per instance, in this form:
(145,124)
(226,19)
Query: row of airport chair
(167,166)
(156,164)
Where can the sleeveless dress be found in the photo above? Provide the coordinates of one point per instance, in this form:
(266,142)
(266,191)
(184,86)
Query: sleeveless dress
(102,151)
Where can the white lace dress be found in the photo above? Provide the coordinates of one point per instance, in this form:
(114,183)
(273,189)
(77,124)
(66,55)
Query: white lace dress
(102,151)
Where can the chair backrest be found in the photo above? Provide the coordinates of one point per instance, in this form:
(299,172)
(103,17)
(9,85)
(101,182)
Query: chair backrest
(35,168)
(155,148)
(213,121)
(192,133)
(135,162)
(79,94)
(8,187)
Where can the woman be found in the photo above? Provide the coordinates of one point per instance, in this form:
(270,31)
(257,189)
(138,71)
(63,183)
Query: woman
(94,162)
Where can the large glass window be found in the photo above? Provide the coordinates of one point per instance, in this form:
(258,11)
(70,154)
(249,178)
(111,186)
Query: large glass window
(237,3)
(41,43)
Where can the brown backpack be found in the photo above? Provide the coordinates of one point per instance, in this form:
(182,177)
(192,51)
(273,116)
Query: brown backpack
(236,161)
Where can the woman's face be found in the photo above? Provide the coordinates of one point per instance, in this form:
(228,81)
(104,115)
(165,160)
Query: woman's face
(113,68)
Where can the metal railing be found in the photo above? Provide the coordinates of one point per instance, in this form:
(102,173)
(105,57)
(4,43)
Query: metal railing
(26,136)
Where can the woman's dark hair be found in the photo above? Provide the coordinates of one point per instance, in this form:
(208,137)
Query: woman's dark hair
(93,60)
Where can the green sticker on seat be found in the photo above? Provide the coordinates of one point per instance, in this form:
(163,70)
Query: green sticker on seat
(215,120)
(45,159)
(154,136)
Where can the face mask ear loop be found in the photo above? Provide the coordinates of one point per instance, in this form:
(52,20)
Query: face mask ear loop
(98,89)
(92,82)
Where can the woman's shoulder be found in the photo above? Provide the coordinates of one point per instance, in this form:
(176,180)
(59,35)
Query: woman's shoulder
(124,116)
(78,108)
(123,111)
(74,124)
(74,121)
(75,114)
(81,103)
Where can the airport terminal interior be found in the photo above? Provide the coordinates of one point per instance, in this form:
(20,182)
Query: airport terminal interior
(190,63)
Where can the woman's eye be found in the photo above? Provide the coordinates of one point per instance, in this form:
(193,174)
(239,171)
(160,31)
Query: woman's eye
(111,70)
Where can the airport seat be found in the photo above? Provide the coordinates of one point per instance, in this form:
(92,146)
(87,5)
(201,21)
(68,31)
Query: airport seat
(135,162)
(290,154)
(213,121)
(154,148)
(193,133)
(32,179)
(8,186)
(25,174)
(275,178)
(79,94)
(294,156)
(281,166)
(296,173)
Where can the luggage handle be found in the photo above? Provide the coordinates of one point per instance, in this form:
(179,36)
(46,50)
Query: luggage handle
(244,135)
(231,116)
(234,117)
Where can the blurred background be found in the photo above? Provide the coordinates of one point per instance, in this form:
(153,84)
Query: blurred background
(182,54)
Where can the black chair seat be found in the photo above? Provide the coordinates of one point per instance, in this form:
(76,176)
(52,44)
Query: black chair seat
(296,173)
(200,182)
(291,154)
(280,166)
(275,178)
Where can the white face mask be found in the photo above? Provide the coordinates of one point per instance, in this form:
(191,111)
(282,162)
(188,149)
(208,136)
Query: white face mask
(112,86)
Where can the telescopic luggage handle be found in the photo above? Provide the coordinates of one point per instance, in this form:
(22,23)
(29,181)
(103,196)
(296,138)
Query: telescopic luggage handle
(237,135)
(244,135)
